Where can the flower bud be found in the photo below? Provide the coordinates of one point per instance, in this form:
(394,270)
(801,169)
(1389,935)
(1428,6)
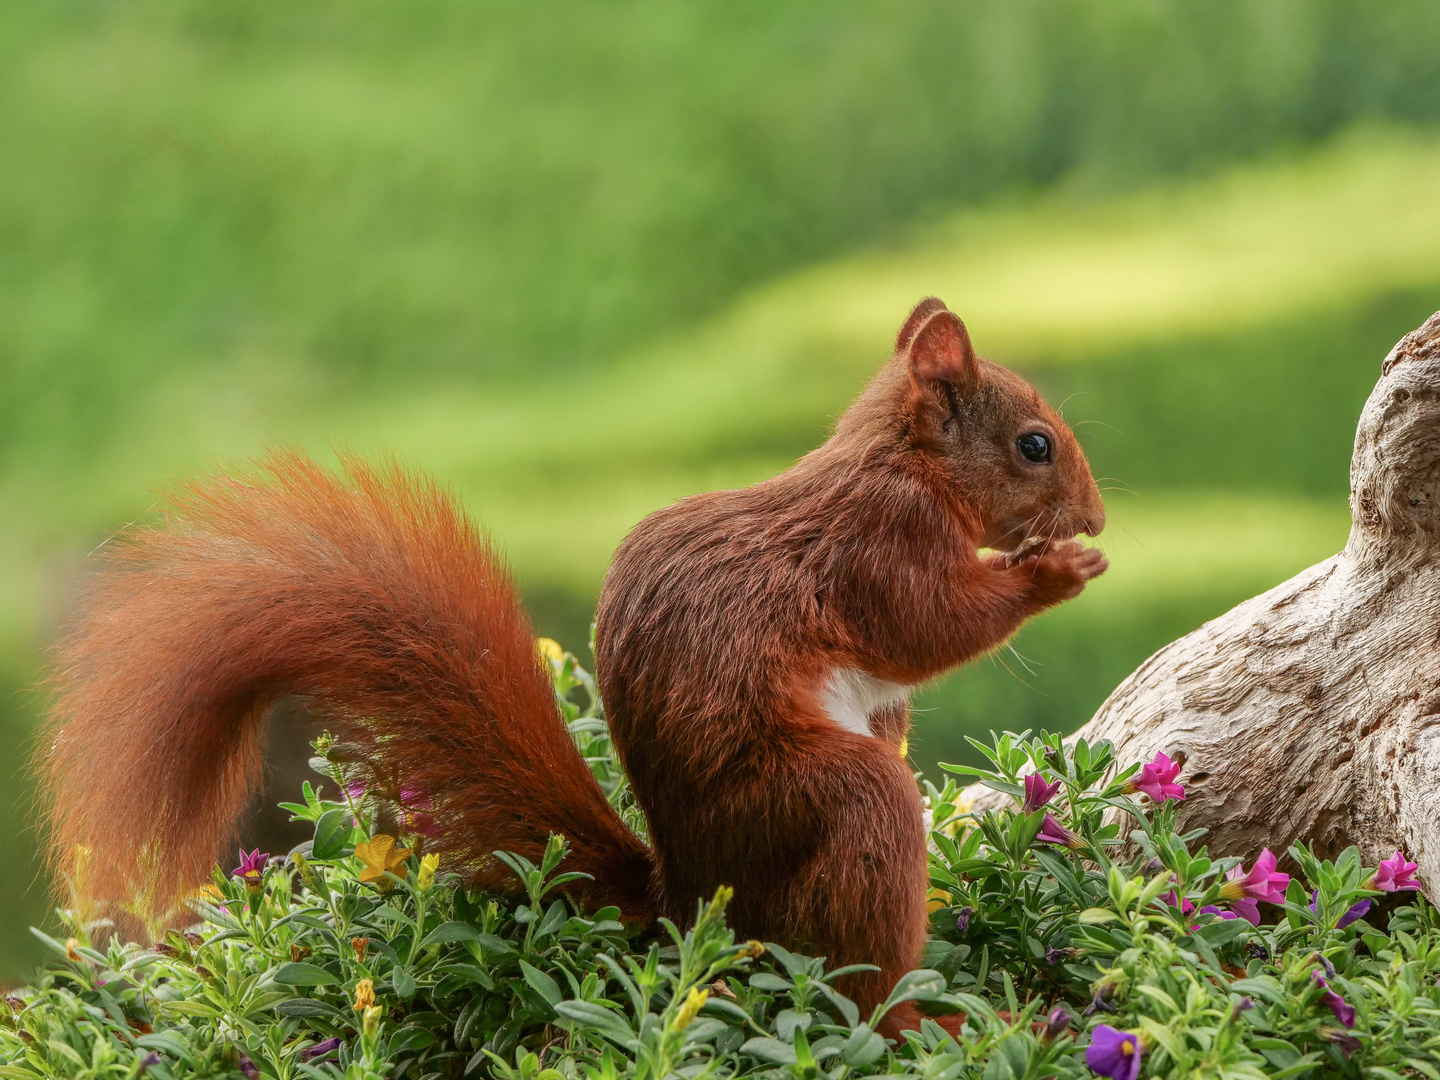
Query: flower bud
(298,953)
(428,865)
(371,1020)
(689,1008)
(305,870)
(1057,1023)
(72,951)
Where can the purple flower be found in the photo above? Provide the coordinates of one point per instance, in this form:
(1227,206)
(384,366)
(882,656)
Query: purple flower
(1347,1043)
(149,1059)
(320,1050)
(247,1066)
(1261,883)
(1052,832)
(1356,911)
(962,918)
(1221,913)
(1100,1001)
(1057,1023)
(1394,875)
(1157,780)
(251,870)
(1037,792)
(1343,1010)
(1245,1004)
(1113,1053)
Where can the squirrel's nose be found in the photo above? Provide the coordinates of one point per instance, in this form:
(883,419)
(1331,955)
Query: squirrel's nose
(1094,520)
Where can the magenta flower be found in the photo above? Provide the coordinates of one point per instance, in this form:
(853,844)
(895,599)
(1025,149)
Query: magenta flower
(1113,1053)
(251,870)
(1157,780)
(1343,1010)
(1394,875)
(1185,906)
(1037,792)
(1261,883)
(1052,832)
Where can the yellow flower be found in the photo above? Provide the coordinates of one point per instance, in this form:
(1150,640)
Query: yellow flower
(551,652)
(937,899)
(72,950)
(364,994)
(905,746)
(753,949)
(691,1005)
(428,865)
(380,856)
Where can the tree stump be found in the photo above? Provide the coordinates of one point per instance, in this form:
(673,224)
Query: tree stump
(1312,712)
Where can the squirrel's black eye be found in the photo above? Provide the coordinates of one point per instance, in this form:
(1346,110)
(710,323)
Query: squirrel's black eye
(1034,447)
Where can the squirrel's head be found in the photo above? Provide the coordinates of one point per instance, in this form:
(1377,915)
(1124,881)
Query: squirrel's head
(1008,452)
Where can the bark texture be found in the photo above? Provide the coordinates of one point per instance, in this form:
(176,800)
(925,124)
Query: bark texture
(1313,711)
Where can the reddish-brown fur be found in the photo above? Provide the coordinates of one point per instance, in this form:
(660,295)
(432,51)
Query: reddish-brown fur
(723,614)
(720,621)
(372,595)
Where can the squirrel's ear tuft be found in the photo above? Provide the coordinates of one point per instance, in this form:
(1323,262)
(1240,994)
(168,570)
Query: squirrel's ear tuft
(941,351)
(922,311)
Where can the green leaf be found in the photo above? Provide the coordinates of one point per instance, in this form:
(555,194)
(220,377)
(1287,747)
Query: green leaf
(542,984)
(863,1047)
(403,982)
(450,931)
(769,1050)
(764,980)
(332,834)
(609,1024)
(292,974)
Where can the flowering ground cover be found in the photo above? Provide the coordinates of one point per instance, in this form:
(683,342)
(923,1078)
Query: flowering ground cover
(1077,934)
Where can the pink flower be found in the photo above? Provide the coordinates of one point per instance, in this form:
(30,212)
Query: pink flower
(251,870)
(1052,832)
(1394,875)
(1038,792)
(1185,906)
(1157,780)
(1343,1010)
(1261,883)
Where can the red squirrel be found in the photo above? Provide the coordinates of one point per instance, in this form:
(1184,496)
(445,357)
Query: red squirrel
(755,650)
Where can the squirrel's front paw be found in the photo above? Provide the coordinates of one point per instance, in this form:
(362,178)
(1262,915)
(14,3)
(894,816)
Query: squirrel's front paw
(1061,571)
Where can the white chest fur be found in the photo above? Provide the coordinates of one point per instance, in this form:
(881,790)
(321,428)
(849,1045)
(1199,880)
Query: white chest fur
(850,697)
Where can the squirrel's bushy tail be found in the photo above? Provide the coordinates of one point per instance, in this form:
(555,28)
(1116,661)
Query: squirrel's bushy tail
(371,594)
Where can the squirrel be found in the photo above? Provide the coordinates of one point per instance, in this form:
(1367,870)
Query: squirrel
(755,650)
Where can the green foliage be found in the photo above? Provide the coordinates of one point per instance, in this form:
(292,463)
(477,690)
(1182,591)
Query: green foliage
(310,972)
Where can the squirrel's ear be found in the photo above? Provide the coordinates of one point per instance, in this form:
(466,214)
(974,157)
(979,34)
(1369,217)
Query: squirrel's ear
(923,310)
(941,351)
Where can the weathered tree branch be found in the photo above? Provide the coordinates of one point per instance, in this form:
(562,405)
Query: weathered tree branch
(1313,711)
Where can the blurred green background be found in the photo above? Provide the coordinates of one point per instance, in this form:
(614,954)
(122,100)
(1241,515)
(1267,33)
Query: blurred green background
(580,259)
